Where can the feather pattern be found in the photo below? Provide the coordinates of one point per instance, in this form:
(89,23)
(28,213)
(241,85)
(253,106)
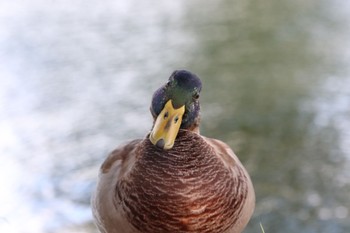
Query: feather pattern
(197,186)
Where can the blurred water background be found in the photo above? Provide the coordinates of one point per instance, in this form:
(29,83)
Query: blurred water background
(76,80)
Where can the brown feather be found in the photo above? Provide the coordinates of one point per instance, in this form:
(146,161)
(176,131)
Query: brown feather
(197,186)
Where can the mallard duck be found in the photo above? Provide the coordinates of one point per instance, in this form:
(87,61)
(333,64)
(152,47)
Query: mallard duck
(174,180)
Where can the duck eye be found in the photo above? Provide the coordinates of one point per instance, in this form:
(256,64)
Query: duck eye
(176,119)
(196,95)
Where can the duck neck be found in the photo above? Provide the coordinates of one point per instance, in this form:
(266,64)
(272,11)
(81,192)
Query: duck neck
(194,129)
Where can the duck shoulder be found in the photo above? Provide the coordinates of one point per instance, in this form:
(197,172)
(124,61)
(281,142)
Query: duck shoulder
(120,155)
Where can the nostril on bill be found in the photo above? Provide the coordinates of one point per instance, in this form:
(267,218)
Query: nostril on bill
(160,143)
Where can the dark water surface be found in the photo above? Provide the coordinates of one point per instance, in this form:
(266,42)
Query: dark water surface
(76,79)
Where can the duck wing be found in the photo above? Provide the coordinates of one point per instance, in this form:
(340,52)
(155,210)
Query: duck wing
(241,179)
(107,212)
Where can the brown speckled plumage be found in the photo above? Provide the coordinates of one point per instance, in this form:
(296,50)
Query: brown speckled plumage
(197,186)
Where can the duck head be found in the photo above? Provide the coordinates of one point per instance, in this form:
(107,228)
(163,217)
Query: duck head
(175,106)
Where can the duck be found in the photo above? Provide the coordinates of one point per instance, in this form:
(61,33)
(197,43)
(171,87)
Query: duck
(174,180)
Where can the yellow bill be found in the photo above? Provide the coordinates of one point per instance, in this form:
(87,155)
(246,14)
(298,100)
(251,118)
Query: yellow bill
(167,126)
